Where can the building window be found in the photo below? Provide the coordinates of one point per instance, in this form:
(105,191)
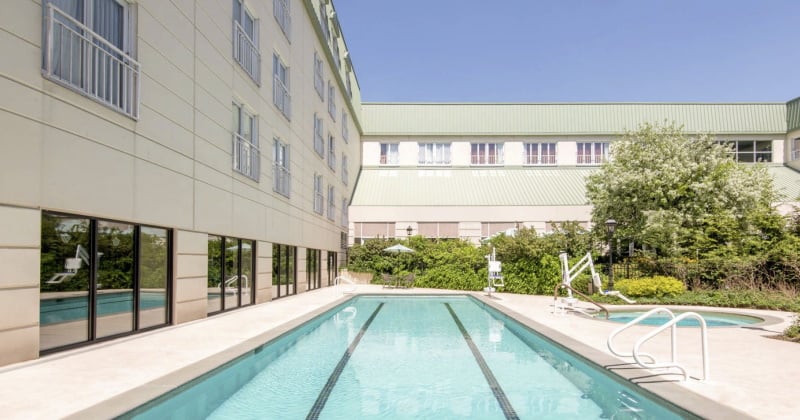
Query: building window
(487,153)
(319,79)
(796,149)
(87,47)
(246,154)
(245,41)
(335,50)
(345,216)
(314,268)
(101,278)
(592,153)
(333,267)
(438,229)
(280,87)
(231,265)
(540,153)
(345,129)
(750,151)
(284,270)
(323,21)
(434,153)
(345,173)
(280,167)
(389,155)
(349,85)
(332,152)
(282,14)
(331,100)
(331,203)
(319,141)
(318,198)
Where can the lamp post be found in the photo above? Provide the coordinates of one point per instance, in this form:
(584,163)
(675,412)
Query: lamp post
(408,231)
(611,226)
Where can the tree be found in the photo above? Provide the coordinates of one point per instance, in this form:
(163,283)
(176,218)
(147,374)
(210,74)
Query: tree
(681,195)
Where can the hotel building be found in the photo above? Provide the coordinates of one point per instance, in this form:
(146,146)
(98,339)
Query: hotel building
(167,161)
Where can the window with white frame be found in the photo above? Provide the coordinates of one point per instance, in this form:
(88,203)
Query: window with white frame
(331,152)
(349,86)
(323,20)
(434,154)
(332,100)
(282,14)
(389,155)
(345,172)
(749,151)
(345,215)
(592,153)
(796,149)
(540,154)
(319,80)
(246,154)
(245,41)
(319,141)
(318,198)
(88,47)
(280,87)
(335,51)
(486,153)
(345,130)
(331,202)
(280,167)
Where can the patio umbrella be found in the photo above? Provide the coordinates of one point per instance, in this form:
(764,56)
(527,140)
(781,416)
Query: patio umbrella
(398,249)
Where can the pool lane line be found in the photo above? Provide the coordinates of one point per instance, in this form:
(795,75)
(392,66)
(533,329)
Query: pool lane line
(497,390)
(322,398)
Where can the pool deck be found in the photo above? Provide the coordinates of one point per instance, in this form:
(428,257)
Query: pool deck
(751,374)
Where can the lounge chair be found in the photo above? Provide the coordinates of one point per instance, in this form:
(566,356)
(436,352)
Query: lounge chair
(388,280)
(408,281)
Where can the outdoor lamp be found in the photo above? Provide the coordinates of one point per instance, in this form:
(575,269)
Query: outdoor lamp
(611,226)
(408,230)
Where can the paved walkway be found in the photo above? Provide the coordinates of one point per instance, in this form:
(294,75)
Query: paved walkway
(750,372)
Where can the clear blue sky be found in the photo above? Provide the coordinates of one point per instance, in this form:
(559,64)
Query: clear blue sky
(574,50)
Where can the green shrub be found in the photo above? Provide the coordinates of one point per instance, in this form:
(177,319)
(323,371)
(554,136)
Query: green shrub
(793,332)
(657,286)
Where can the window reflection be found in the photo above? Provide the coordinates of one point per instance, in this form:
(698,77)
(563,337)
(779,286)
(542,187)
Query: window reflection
(214,273)
(153,276)
(114,300)
(64,281)
(246,279)
(232,278)
(230,273)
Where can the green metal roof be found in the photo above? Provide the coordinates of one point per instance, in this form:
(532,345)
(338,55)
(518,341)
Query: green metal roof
(565,118)
(472,187)
(793,114)
(546,186)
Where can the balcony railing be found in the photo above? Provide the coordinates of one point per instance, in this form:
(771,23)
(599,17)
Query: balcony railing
(245,52)
(282,179)
(246,157)
(281,97)
(84,61)
(540,160)
(591,159)
(281,10)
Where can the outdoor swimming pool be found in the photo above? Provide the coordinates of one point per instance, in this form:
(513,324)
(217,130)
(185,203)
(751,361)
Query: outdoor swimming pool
(409,357)
(713,319)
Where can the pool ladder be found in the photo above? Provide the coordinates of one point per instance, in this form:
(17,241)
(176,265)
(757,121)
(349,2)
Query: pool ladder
(638,355)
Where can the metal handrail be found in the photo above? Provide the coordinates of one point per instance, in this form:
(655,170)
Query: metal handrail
(555,297)
(246,157)
(672,324)
(639,319)
(103,71)
(246,53)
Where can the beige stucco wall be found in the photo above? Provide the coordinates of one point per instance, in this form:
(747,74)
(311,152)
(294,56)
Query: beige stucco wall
(61,151)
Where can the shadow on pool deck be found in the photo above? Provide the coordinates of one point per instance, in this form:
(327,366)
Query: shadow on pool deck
(751,374)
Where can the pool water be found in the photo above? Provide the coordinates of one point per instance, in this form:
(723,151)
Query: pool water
(713,319)
(409,357)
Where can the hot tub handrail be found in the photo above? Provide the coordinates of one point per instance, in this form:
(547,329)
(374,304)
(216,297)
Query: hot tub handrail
(672,324)
(639,319)
(555,297)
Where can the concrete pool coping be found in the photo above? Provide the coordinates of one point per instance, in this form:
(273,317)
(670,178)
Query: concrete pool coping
(110,378)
